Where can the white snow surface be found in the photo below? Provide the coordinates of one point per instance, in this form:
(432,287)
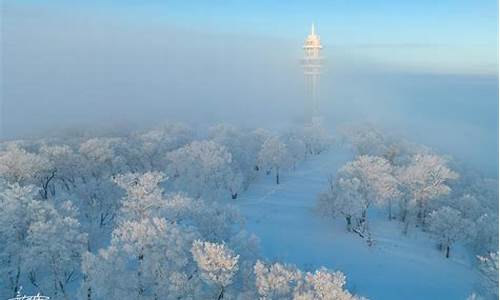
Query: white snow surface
(396,267)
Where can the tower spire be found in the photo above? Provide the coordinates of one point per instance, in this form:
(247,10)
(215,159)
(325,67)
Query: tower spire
(312,28)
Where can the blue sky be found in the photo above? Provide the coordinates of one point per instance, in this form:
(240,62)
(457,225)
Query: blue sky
(437,36)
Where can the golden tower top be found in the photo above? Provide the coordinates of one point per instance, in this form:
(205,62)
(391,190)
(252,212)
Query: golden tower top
(312,44)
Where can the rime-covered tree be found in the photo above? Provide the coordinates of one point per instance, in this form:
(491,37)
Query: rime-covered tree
(468,205)
(486,235)
(274,156)
(100,158)
(203,169)
(147,259)
(16,218)
(426,178)
(217,263)
(157,142)
(366,139)
(276,281)
(316,138)
(488,266)
(361,183)
(144,196)
(217,222)
(20,166)
(65,168)
(41,243)
(375,182)
(257,138)
(343,198)
(95,194)
(323,284)
(449,226)
(150,253)
(281,281)
(296,147)
(56,245)
(240,144)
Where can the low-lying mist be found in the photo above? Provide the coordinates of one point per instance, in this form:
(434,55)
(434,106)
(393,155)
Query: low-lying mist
(78,72)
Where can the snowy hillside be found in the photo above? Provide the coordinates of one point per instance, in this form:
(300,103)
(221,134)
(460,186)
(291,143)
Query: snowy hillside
(396,267)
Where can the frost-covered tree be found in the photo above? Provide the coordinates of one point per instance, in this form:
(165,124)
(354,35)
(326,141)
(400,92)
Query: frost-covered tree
(276,281)
(343,198)
(155,143)
(65,167)
(147,259)
(424,179)
(485,238)
(217,263)
(16,218)
(274,155)
(150,253)
(488,266)
(241,146)
(100,157)
(217,222)
(94,192)
(323,285)
(214,222)
(257,139)
(449,226)
(375,181)
(486,235)
(56,245)
(485,190)
(316,138)
(476,198)
(144,196)
(23,167)
(361,183)
(18,165)
(468,205)
(281,281)
(296,147)
(366,139)
(98,201)
(203,169)
(41,243)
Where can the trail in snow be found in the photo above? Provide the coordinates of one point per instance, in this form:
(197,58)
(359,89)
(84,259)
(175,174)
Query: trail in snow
(397,267)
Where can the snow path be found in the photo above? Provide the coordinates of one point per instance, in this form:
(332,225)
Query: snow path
(398,267)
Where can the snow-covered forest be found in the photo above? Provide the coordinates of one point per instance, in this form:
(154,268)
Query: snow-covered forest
(156,214)
(147,216)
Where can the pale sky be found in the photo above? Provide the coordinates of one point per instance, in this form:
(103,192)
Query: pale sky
(447,36)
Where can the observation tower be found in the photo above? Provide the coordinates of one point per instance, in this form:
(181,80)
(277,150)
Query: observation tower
(312,63)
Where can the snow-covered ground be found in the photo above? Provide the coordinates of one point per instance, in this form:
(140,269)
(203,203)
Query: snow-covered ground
(396,267)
